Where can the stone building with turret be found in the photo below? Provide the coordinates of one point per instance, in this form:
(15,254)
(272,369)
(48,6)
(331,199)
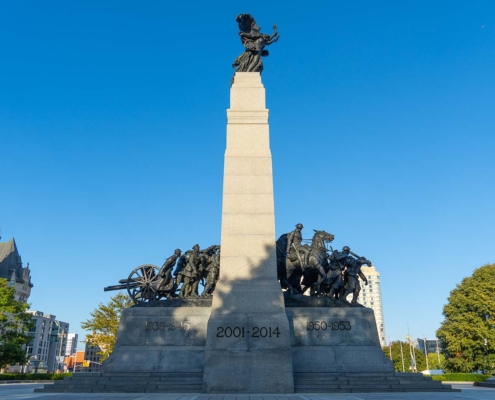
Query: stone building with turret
(11,269)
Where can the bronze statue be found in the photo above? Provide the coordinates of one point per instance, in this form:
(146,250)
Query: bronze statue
(254,42)
(165,284)
(190,273)
(296,251)
(213,272)
(351,274)
(290,270)
(334,282)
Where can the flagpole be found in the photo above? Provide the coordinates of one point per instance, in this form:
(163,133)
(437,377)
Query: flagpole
(426,353)
(411,352)
(401,354)
(438,354)
(390,347)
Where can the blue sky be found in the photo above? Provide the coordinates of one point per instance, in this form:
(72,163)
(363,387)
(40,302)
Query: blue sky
(112,124)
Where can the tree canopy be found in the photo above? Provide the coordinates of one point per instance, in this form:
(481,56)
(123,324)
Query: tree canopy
(104,324)
(467,333)
(406,351)
(14,325)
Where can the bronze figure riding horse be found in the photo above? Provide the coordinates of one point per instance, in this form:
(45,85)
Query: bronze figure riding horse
(290,271)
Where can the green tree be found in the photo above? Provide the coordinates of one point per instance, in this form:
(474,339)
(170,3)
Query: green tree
(104,324)
(406,351)
(433,362)
(469,320)
(14,325)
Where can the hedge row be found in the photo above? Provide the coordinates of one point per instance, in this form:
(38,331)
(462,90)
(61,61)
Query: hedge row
(461,377)
(33,377)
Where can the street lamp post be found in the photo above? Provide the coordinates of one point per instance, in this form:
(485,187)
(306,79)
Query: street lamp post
(58,337)
(486,354)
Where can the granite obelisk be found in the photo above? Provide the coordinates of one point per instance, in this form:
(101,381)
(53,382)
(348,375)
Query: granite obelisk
(248,339)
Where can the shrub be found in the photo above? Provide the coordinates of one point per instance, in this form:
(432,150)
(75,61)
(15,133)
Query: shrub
(461,377)
(33,377)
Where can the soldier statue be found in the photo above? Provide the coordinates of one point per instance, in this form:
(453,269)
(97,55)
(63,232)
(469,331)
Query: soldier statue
(351,274)
(213,272)
(295,250)
(165,284)
(190,273)
(334,280)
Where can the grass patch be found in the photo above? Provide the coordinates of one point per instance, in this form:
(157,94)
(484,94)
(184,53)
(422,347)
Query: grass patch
(461,377)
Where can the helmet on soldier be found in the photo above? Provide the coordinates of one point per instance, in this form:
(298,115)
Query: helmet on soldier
(177,251)
(196,247)
(300,226)
(346,249)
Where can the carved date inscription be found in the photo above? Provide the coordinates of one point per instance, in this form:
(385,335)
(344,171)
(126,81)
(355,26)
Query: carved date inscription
(330,325)
(254,332)
(167,326)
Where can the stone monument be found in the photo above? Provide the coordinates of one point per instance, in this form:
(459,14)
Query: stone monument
(249,336)
(248,339)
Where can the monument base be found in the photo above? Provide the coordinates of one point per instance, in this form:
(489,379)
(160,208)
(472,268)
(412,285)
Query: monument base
(162,350)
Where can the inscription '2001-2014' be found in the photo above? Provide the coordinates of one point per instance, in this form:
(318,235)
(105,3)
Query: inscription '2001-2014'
(255,332)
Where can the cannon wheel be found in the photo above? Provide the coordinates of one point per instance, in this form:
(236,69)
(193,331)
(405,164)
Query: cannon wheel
(145,276)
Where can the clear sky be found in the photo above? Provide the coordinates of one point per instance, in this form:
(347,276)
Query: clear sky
(382,122)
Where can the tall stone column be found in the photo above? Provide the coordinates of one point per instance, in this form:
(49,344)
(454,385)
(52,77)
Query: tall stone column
(248,339)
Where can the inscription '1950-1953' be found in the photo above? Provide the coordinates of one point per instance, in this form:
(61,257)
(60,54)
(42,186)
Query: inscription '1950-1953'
(333,325)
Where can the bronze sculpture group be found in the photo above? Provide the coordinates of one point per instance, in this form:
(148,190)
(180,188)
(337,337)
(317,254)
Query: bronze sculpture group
(324,272)
(301,267)
(148,283)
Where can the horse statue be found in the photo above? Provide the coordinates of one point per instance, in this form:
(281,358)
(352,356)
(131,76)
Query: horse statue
(290,271)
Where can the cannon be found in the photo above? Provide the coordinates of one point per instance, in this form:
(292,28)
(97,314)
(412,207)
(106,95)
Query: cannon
(142,284)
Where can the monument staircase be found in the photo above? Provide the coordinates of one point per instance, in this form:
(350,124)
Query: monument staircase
(366,382)
(101,382)
(95,382)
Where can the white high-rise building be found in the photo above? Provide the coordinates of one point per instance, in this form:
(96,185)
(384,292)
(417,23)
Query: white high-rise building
(71,347)
(371,296)
(49,340)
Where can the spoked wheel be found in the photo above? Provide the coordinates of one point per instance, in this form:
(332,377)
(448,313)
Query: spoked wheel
(141,283)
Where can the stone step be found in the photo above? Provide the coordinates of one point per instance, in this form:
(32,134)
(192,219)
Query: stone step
(123,389)
(366,382)
(152,374)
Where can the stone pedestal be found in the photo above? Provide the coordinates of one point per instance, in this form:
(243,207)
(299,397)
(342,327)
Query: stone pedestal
(336,340)
(248,338)
(160,340)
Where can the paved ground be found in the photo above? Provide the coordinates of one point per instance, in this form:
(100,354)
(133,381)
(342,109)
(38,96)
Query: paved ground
(18,391)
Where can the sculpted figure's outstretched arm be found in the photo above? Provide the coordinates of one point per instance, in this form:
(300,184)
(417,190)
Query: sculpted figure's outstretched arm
(275,36)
